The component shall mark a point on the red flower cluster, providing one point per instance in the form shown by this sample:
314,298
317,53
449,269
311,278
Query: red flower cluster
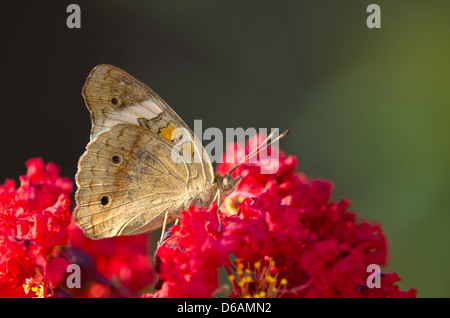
38,242
280,237
33,221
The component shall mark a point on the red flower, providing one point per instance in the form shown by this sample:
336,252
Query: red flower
286,237
33,219
191,261
35,226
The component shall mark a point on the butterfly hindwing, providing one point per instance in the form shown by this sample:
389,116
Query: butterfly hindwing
124,185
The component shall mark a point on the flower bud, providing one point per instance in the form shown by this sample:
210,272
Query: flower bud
86,271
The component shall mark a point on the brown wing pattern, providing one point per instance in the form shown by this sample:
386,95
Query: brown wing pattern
127,180
124,187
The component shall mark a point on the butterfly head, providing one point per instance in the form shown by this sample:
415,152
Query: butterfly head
228,184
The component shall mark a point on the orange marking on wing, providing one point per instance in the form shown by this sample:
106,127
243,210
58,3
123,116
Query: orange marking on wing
166,133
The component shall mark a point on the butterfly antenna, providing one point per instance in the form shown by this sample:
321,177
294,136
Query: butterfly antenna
267,142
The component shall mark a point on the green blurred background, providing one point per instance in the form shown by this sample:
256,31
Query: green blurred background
367,108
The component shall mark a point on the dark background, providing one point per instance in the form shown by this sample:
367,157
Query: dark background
368,109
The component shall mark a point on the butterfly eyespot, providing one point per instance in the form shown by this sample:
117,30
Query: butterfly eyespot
105,200
116,159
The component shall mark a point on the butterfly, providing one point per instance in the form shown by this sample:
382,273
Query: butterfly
128,182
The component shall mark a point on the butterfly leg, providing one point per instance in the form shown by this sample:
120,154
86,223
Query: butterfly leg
156,259
218,206
163,230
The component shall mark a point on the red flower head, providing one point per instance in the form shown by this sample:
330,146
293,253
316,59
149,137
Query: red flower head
285,237
33,219
35,227
191,259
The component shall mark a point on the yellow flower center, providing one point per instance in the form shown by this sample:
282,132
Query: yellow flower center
257,280
36,285
231,204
